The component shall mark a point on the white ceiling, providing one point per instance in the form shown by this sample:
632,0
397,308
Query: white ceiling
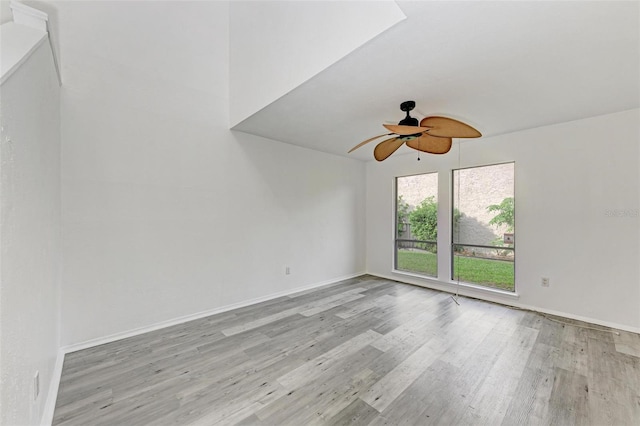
499,66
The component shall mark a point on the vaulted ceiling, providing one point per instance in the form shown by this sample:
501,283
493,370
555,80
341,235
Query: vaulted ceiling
499,66
327,75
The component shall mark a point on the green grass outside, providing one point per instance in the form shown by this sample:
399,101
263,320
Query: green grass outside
418,261
490,273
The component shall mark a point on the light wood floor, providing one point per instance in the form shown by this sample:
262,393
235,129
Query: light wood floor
366,351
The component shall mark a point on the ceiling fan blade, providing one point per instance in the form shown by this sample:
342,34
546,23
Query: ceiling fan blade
405,130
430,144
444,127
385,148
367,141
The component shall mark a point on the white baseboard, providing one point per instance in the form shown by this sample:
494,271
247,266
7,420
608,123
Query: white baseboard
589,320
503,299
168,323
52,395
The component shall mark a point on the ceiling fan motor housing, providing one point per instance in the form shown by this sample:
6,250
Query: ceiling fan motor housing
407,106
409,121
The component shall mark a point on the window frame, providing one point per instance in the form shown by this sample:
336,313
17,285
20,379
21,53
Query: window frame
396,239
453,243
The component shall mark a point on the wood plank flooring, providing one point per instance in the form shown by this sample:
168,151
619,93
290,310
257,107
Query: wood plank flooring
364,351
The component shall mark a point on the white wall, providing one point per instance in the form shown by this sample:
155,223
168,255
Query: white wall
30,235
568,178
166,212
5,11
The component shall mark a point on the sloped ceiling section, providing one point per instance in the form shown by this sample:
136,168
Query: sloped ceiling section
277,45
499,66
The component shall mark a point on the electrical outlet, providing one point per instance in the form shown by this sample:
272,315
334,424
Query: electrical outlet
545,282
287,270
36,385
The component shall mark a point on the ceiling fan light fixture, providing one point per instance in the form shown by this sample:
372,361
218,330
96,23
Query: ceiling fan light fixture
410,137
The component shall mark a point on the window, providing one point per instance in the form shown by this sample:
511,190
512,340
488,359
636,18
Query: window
483,249
417,224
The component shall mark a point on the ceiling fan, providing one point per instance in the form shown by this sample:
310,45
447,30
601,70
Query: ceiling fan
432,134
